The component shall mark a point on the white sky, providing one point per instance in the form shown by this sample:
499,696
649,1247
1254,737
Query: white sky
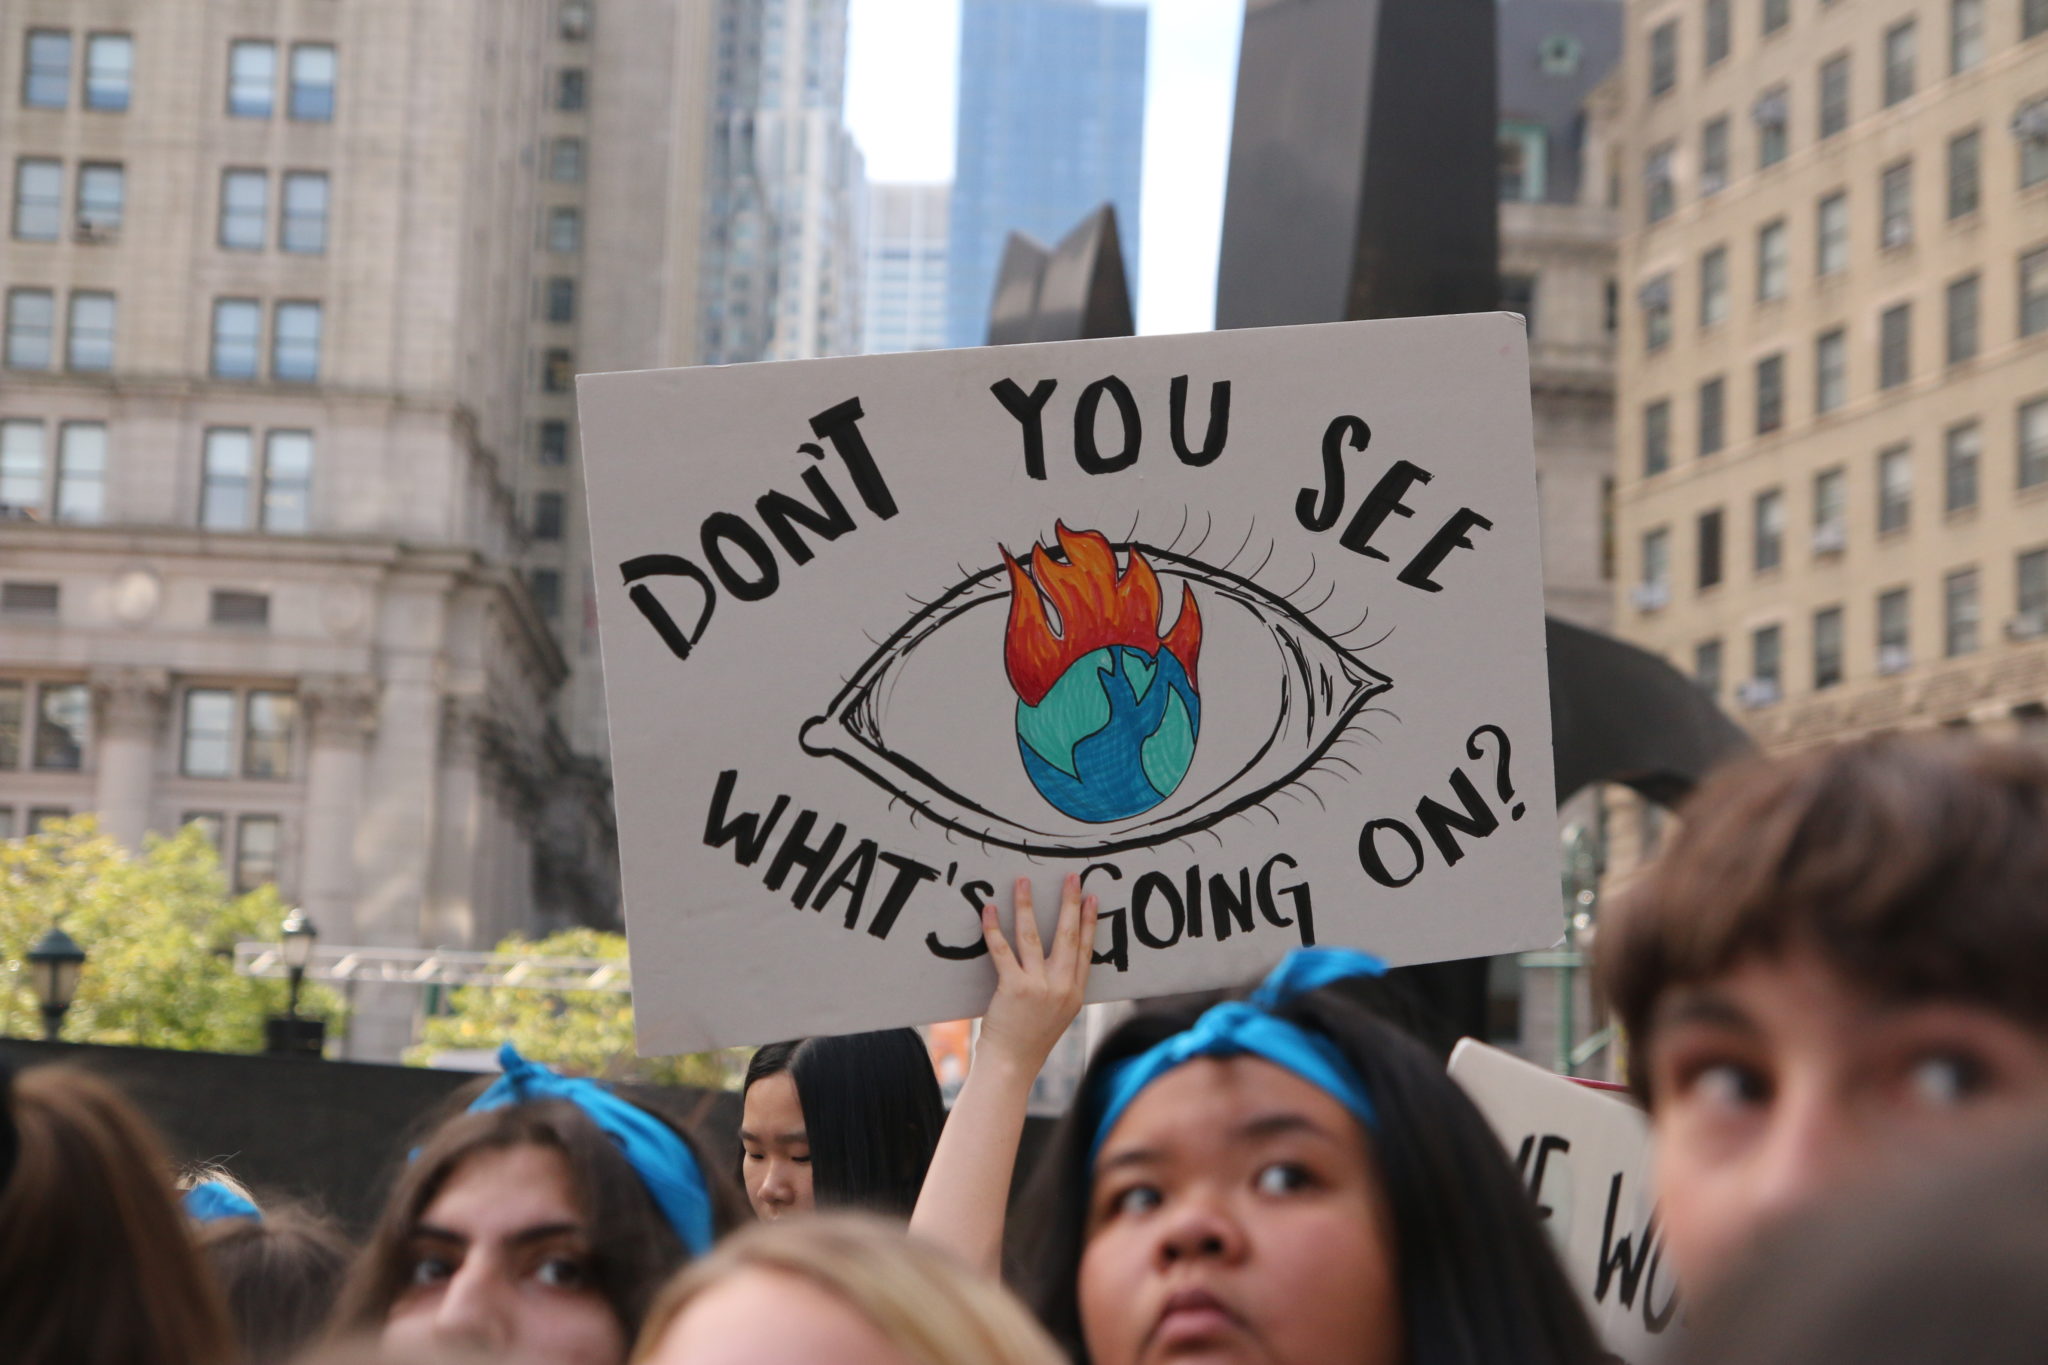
900,97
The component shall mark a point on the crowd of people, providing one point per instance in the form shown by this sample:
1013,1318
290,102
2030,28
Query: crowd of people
1834,989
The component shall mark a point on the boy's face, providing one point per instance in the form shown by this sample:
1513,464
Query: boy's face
1783,1081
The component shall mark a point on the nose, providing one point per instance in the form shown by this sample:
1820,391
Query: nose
1814,1145
473,1311
1199,1226
773,1190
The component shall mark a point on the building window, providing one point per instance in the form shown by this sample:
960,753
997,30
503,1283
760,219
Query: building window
565,160
1773,260
2033,443
1523,151
547,516
1772,114
207,740
1714,39
1894,643
1831,234
1964,159
226,501
82,472
257,842
1706,666
2033,18
1713,155
244,209
1962,447
1710,549
1559,55
31,328
1663,58
553,436
1712,415
573,21
1894,345
18,598
546,585
1777,14
21,469
109,71
1766,664
288,482
89,340
561,299
1830,371
1962,319
1894,489
1656,301
1714,286
1895,206
46,75
1834,95
1960,612
1768,540
295,342
2031,593
2034,292
38,199
1656,437
1770,393
565,229
252,79
312,93
1827,648
102,195
1965,35
62,712
1655,589
557,370
303,226
244,610
1660,194
237,338
1899,45
1830,511
572,88
268,720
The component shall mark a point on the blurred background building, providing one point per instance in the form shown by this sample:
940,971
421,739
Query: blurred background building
905,301
1051,123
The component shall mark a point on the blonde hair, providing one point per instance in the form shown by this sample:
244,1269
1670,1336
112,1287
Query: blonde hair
928,1305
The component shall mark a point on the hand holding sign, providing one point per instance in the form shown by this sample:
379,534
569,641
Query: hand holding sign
1038,994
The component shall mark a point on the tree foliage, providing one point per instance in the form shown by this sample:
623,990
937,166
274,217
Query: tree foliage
588,1032
159,931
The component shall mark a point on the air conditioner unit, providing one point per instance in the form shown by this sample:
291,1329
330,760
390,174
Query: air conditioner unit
90,231
2028,625
1650,596
1830,538
1894,659
1756,692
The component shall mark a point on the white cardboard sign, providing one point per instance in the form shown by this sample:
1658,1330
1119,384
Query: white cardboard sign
1585,1157
1246,627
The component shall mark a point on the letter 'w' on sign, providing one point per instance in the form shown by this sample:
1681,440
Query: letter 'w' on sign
1245,627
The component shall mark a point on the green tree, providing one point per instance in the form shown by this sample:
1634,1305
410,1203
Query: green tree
588,1032
159,930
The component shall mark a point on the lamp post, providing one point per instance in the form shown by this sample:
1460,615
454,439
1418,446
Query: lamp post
55,964
292,1036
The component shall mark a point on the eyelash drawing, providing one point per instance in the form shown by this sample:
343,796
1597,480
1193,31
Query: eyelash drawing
1116,731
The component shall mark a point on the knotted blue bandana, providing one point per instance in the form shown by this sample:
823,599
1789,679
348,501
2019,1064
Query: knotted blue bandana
1239,1028
210,1201
662,1160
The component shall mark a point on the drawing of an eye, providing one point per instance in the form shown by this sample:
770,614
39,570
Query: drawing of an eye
1051,707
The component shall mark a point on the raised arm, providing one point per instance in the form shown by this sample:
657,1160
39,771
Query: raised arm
966,1192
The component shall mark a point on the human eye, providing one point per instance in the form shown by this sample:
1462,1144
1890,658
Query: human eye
1283,1177
429,1269
1724,1085
563,1271
1947,1079
1102,643
1129,1200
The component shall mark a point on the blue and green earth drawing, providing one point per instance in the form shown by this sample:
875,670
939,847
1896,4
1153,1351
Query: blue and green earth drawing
1114,736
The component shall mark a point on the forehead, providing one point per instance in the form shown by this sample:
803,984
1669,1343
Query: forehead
1209,1102
772,1106
757,1316
499,1191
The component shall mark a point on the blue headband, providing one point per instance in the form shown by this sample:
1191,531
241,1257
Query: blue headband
662,1160
210,1201
1239,1028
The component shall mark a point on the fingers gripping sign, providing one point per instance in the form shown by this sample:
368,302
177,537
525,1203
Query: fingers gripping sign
1038,992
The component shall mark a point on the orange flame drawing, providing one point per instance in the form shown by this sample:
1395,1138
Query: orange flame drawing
1098,606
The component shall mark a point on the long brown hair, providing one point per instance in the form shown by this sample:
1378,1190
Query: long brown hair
97,1265
632,1246
280,1276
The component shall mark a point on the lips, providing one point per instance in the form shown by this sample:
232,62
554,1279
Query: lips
1191,1316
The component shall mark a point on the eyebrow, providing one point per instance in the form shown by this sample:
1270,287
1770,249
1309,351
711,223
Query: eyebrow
793,1135
539,1232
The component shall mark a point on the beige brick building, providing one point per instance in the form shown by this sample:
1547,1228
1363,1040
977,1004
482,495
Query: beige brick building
1833,405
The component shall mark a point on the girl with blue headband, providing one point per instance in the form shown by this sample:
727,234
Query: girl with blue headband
536,1224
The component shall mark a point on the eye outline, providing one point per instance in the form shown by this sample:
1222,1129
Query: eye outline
854,703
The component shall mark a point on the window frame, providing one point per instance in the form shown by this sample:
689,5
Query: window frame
1895,346
1894,488
74,326
1767,531
30,74
94,42
70,482
1962,466
298,347
28,211
1962,318
289,216
312,101
1829,641
241,86
21,333
239,306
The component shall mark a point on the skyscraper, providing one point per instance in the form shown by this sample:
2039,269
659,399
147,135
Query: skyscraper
905,303
1051,124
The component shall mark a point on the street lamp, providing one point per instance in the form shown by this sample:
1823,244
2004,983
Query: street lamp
292,1036
55,964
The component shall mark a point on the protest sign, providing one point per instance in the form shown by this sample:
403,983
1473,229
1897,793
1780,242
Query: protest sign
1585,1156
1245,627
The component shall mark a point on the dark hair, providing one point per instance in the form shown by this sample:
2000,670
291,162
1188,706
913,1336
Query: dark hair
280,1275
1478,1281
872,1113
633,1249
95,1262
1913,866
